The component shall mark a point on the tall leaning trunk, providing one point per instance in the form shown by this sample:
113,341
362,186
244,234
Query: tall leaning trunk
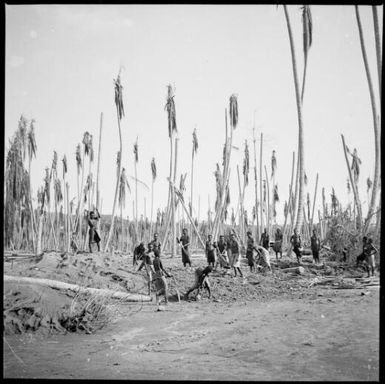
357,202
152,206
299,220
168,211
116,187
67,187
257,234
290,199
268,202
260,183
373,199
173,203
378,46
98,166
192,188
314,198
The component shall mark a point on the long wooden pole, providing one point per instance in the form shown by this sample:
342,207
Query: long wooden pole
98,167
314,199
260,183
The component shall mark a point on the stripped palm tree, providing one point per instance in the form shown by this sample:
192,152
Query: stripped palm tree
353,183
307,32
172,130
233,113
79,166
136,159
123,183
375,116
378,46
120,114
153,173
31,153
194,151
98,167
256,185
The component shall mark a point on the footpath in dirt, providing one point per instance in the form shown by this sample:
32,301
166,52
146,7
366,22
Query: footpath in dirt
319,325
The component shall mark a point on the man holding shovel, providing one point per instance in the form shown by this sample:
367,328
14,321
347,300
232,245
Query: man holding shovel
184,241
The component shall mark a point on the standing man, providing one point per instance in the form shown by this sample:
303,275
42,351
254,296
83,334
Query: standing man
369,251
315,246
156,245
265,240
93,236
184,241
148,265
250,251
161,286
221,248
278,243
295,241
235,258
138,253
210,251
361,257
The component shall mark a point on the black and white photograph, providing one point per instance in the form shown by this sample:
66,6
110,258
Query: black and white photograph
192,192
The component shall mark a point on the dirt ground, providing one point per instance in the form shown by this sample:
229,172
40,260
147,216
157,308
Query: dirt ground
269,326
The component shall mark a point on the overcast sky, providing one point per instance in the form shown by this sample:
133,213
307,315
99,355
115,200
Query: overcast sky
61,61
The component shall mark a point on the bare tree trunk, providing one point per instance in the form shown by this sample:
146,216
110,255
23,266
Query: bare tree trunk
268,203
116,187
289,205
354,186
314,199
98,166
152,206
173,242
373,200
257,234
260,182
300,126
68,219
378,47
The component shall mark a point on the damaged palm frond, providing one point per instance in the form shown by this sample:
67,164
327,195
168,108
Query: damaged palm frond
122,188
246,164
308,205
356,162
307,25
170,108
47,185
273,164
275,193
54,165
348,185
87,142
305,178
65,168
119,97
285,209
182,180
78,158
31,140
136,148
58,191
233,109
195,141
369,184
218,184
153,168
334,201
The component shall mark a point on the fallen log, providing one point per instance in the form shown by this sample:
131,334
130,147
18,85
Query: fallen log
298,270
76,288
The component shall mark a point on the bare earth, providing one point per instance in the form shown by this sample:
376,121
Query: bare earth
318,334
